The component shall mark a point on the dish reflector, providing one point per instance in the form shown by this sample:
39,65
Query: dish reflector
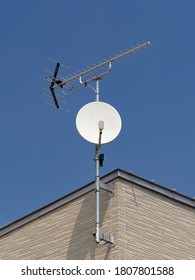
96,116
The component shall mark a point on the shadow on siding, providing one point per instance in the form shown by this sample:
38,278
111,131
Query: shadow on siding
82,243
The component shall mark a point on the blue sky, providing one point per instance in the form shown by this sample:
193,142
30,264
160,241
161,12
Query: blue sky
42,156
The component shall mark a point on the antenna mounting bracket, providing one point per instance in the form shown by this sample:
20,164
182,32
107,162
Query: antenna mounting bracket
108,188
108,238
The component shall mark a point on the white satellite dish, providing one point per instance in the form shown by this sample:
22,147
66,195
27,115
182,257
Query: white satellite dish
96,116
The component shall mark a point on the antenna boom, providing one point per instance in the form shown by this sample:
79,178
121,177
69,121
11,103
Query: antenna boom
77,76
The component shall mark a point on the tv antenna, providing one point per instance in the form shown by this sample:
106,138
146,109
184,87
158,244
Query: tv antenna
73,83
97,122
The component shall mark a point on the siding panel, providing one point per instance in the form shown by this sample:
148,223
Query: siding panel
147,225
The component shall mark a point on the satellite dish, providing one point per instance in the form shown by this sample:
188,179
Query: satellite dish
96,116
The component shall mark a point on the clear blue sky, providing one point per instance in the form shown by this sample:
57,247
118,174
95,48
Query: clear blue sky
42,157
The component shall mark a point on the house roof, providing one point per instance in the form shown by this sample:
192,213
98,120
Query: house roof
106,179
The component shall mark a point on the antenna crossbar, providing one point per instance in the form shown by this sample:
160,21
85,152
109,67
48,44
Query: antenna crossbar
77,76
52,84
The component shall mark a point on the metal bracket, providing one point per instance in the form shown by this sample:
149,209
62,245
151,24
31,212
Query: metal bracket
108,238
107,187
97,77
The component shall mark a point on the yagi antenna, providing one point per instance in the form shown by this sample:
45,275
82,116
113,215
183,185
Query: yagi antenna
97,122
85,76
100,65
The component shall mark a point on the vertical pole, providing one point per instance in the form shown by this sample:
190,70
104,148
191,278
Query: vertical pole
97,183
97,89
97,177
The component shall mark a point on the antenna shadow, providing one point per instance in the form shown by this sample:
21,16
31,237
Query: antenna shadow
82,243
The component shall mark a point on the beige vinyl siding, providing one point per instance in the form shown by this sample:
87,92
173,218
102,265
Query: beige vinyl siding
147,225
152,226
64,233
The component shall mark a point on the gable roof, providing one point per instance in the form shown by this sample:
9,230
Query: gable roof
118,173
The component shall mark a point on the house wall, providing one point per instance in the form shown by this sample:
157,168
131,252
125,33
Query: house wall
147,225
64,233
152,226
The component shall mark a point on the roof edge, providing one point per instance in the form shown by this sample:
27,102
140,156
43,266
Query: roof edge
171,193
117,173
